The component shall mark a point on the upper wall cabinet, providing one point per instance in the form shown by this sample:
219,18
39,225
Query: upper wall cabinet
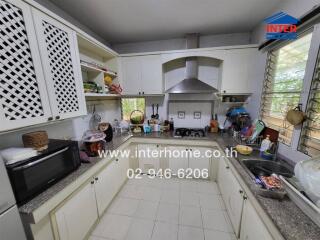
142,75
236,70
23,94
61,64
39,68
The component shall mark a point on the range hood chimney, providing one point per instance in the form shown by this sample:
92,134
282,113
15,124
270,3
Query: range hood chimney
191,83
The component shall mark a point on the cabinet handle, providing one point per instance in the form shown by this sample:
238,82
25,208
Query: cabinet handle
240,191
92,182
245,198
139,93
96,178
117,160
142,92
157,145
50,118
227,167
57,117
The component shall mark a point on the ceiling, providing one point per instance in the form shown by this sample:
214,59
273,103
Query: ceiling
122,21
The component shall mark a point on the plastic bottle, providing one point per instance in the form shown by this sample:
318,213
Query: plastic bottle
265,144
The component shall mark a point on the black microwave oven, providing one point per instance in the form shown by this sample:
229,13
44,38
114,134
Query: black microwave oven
34,175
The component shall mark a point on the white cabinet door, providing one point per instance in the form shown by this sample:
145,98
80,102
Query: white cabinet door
131,75
123,163
232,194
237,69
142,75
252,227
76,217
146,161
151,74
61,63
201,163
106,186
23,94
234,201
222,173
176,162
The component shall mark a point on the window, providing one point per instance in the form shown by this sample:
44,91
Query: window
130,104
283,84
310,135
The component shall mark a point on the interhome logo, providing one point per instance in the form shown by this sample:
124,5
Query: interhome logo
281,26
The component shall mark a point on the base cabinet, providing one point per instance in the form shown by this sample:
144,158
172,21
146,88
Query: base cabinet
201,163
252,227
147,162
176,162
232,194
76,217
106,186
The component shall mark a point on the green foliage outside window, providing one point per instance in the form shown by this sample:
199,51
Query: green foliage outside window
130,104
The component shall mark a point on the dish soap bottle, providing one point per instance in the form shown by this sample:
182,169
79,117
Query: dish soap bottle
265,144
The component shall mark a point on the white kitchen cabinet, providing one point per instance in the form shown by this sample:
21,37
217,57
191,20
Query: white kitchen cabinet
23,94
145,162
202,163
123,163
106,185
131,75
109,181
40,70
61,64
142,75
178,162
232,194
252,227
236,70
151,74
75,218
222,173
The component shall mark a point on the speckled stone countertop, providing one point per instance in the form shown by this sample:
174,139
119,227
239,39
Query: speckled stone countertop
292,223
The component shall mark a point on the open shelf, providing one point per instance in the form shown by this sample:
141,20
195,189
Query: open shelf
95,48
101,96
91,68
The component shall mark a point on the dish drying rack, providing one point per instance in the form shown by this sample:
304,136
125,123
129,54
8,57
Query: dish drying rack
243,140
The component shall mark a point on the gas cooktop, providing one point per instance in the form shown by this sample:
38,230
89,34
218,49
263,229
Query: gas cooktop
190,132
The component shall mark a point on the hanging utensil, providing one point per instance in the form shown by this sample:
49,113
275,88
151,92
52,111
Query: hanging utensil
153,116
95,119
157,114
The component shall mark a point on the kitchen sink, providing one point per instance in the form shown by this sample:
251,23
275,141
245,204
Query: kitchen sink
266,167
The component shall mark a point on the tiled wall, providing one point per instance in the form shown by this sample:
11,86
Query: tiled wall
189,108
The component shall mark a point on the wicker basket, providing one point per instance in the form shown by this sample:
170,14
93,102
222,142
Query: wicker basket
36,140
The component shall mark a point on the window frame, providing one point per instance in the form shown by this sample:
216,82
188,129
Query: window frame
292,143
145,104
292,152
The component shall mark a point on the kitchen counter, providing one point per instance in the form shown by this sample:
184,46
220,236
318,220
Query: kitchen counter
292,223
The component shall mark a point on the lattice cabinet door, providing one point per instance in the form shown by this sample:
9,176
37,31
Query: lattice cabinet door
23,94
60,58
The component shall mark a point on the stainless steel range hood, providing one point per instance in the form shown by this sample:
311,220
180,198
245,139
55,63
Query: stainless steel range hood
191,83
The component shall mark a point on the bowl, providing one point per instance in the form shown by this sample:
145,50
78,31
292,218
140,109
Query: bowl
244,150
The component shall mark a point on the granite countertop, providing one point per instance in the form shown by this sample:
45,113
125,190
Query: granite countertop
292,223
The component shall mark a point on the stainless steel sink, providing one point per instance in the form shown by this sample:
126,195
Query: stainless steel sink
259,167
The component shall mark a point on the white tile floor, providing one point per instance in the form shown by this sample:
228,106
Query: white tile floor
157,209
